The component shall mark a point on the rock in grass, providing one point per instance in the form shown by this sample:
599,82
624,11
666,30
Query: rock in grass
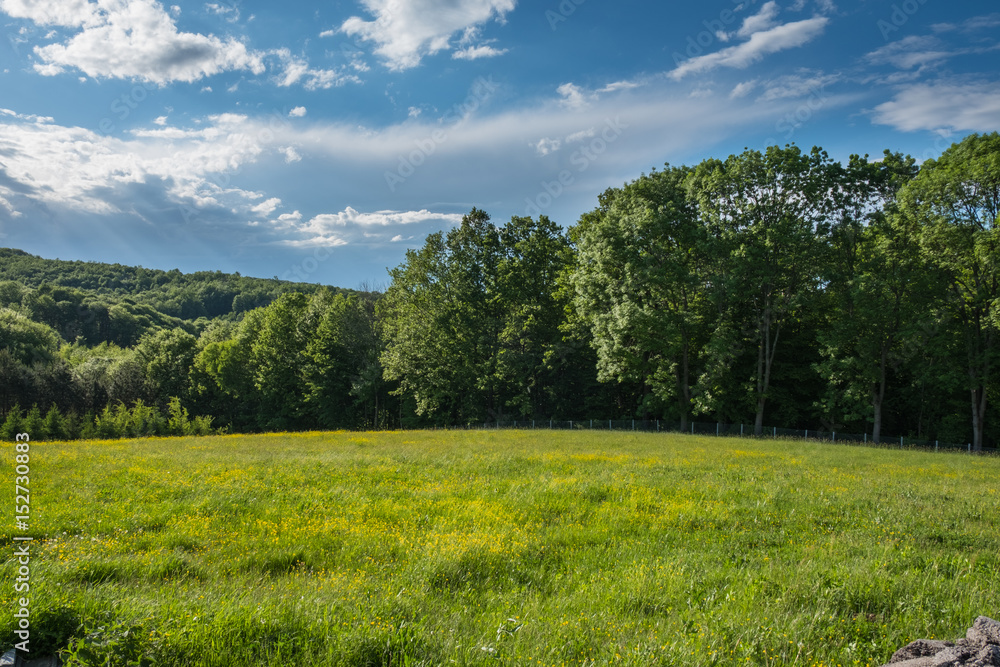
979,648
984,631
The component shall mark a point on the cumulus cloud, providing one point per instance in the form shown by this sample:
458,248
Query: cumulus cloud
759,45
134,39
942,106
403,33
137,39
266,207
81,170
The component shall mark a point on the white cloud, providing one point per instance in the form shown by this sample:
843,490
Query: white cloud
291,155
84,171
798,85
760,44
580,136
910,52
759,22
328,33
405,32
413,112
477,52
230,12
297,70
266,207
573,97
160,120
743,89
985,22
297,112
136,39
942,106
546,146
618,85
351,225
290,218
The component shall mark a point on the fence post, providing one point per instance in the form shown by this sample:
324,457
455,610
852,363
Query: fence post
775,435
609,424
807,434
935,445
571,424
900,442
550,424
835,436
866,437
717,427
633,424
692,428
591,424
741,430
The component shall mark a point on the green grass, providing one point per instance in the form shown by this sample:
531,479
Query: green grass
502,548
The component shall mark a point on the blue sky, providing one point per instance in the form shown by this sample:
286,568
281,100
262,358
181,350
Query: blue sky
319,141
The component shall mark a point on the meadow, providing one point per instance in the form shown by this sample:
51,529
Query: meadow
499,548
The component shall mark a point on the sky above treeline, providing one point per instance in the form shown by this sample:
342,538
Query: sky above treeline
318,141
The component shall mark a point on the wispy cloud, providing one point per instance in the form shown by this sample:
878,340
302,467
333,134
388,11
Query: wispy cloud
942,106
758,45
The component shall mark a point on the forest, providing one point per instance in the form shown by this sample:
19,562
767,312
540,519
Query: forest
775,287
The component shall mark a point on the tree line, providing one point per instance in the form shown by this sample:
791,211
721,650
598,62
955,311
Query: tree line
775,286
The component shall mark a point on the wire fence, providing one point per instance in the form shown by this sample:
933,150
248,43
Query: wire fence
730,430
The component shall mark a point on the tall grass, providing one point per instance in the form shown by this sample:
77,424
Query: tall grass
502,548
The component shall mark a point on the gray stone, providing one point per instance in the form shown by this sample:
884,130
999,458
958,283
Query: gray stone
984,631
8,658
979,648
914,662
922,648
989,656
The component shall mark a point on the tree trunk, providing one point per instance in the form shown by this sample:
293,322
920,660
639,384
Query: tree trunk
879,397
765,359
684,388
978,417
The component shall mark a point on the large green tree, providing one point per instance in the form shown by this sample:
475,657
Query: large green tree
766,213
955,201
639,283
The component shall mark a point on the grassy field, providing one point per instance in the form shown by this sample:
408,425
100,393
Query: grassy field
500,548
